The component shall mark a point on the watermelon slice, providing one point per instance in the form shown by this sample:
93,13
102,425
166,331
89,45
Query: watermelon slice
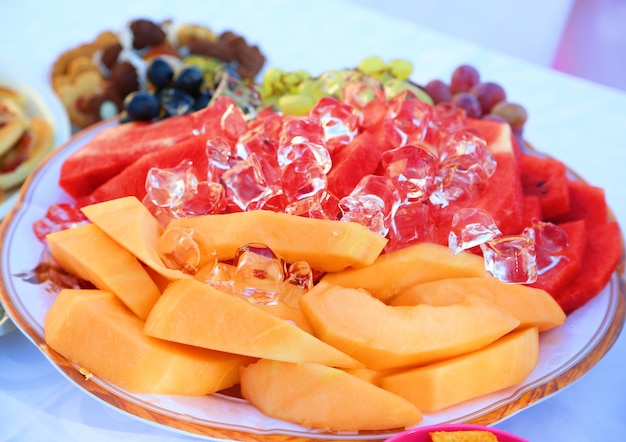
547,179
602,254
498,135
586,202
132,180
570,265
115,148
352,162
503,197
532,210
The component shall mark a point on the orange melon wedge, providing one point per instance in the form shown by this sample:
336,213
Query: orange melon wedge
94,330
503,364
324,398
394,272
194,313
89,253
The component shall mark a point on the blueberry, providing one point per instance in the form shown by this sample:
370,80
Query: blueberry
160,73
176,102
202,100
189,80
141,106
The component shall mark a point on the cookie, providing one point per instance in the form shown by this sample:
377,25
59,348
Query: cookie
13,123
19,161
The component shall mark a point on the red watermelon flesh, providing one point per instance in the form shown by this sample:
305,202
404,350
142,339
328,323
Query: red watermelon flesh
357,159
223,118
503,197
586,202
532,210
111,150
115,148
132,180
602,254
498,135
546,178
570,265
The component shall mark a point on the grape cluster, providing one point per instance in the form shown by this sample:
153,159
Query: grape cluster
172,89
480,99
296,92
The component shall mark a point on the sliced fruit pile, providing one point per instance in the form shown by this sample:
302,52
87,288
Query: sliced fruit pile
524,188
381,358
373,283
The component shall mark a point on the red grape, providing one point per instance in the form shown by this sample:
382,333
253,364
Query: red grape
463,79
438,90
488,94
469,102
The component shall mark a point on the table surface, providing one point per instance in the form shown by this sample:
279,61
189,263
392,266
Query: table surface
579,122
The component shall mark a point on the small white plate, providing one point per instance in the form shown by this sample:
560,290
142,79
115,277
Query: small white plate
40,102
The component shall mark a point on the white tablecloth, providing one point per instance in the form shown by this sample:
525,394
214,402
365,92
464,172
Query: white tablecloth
579,122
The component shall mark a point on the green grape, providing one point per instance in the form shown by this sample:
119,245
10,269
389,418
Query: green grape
394,86
400,68
372,65
272,78
304,75
330,83
422,95
291,80
264,90
307,87
295,104
271,100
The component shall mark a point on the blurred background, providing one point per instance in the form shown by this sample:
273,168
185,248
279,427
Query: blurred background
584,38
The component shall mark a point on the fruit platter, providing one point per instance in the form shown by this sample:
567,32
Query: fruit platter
340,256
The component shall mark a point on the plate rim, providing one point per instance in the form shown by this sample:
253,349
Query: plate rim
522,398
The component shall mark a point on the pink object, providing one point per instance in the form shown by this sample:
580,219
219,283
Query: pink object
422,434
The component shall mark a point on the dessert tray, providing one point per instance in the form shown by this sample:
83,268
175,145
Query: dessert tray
566,352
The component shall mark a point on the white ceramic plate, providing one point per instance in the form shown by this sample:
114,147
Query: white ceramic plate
41,102
566,353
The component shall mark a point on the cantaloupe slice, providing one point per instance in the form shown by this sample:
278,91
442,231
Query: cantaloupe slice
93,329
327,245
129,223
503,364
89,253
532,307
394,272
386,337
194,313
288,313
325,398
